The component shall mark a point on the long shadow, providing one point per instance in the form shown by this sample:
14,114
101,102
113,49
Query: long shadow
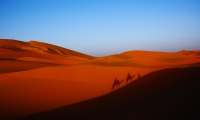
165,94
116,84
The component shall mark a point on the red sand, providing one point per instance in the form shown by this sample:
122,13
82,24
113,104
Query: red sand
34,78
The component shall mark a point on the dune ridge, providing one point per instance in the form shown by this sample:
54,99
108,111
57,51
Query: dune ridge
147,59
36,48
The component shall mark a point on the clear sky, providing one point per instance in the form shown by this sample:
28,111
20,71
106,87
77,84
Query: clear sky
104,27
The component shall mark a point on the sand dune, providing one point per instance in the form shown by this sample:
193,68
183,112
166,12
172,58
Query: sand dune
166,94
70,60
37,77
83,73
33,89
25,96
8,65
58,50
17,55
146,59
15,48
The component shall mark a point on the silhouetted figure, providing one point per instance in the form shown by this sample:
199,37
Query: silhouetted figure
129,77
116,83
138,75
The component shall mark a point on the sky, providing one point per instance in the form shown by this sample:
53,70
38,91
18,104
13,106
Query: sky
104,27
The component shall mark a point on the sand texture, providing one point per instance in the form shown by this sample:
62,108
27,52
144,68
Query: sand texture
45,81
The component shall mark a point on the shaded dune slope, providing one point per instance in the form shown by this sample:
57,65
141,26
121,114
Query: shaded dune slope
165,94
9,65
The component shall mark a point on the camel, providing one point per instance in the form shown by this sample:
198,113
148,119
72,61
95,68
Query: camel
138,75
116,83
129,77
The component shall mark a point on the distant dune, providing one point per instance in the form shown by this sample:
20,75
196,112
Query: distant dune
148,59
15,49
37,77
21,54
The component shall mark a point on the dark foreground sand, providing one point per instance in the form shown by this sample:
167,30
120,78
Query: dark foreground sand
165,94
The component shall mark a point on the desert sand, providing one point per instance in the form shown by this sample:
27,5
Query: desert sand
167,94
36,77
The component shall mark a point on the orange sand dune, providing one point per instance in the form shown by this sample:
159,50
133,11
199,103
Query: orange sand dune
146,59
36,77
47,88
70,60
169,94
12,65
15,48
25,96
17,55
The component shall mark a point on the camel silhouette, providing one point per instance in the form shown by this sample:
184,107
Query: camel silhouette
129,77
138,75
116,83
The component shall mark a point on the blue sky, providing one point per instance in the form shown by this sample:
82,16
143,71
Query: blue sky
104,27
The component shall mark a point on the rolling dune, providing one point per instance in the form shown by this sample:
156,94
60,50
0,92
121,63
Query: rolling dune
37,77
165,94
15,49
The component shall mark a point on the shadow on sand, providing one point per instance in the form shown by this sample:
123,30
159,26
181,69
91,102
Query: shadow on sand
129,78
116,84
165,94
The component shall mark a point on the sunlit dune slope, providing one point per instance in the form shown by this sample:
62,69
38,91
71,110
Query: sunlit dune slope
53,49
149,59
44,52
31,91
83,73
17,55
165,94
15,48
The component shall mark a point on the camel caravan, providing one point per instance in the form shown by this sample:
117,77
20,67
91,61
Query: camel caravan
116,83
